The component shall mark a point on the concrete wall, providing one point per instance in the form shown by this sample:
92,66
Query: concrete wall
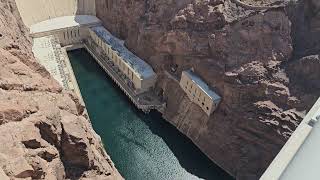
196,94
67,36
141,85
72,35
34,11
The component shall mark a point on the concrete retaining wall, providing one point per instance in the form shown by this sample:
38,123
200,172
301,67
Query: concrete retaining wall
35,11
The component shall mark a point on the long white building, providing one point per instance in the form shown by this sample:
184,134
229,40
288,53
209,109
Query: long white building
138,71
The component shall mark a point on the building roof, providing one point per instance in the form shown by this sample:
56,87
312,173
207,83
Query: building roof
202,85
143,69
298,158
64,22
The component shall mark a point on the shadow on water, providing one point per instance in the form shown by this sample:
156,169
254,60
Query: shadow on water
189,156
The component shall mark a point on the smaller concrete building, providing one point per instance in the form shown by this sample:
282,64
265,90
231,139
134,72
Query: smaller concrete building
135,69
199,92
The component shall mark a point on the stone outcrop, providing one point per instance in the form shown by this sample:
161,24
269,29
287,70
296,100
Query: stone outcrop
261,57
45,133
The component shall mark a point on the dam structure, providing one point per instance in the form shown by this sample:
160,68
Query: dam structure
148,143
298,158
58,26
63,25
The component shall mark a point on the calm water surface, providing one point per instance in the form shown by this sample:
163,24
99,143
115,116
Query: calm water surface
143,147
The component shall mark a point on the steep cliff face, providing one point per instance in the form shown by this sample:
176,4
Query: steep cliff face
246,51
44,131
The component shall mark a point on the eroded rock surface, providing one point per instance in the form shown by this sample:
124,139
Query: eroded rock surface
44,131
261,56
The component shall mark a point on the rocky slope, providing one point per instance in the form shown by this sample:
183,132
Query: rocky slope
261,56
45,133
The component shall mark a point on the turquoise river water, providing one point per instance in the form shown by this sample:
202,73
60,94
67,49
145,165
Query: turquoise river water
142,146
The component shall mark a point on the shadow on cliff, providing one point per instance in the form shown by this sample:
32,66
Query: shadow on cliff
192,159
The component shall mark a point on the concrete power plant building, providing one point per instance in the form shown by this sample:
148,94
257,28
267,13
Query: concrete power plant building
140,74
199,92
58,26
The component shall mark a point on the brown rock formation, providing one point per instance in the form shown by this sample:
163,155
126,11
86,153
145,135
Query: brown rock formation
44,131
250,52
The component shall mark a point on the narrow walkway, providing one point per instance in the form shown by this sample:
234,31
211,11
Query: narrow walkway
170,76
54,58
49,53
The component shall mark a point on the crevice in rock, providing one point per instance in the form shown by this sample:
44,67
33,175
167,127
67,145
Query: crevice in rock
80,107
48,135
32,144
47,155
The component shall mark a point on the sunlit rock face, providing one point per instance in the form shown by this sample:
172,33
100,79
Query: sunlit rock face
247,52
45,133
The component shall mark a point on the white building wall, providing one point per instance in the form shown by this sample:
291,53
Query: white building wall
196,94
34,11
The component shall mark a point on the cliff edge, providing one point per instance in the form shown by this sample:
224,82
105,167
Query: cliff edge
45,133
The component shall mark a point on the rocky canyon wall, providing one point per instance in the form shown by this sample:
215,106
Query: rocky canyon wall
248,51
45,133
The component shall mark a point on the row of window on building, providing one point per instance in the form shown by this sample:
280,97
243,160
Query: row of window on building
199,92
196,94
73,33
140,84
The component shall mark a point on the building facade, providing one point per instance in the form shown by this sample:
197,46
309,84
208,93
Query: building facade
199,92
68,29
140,74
